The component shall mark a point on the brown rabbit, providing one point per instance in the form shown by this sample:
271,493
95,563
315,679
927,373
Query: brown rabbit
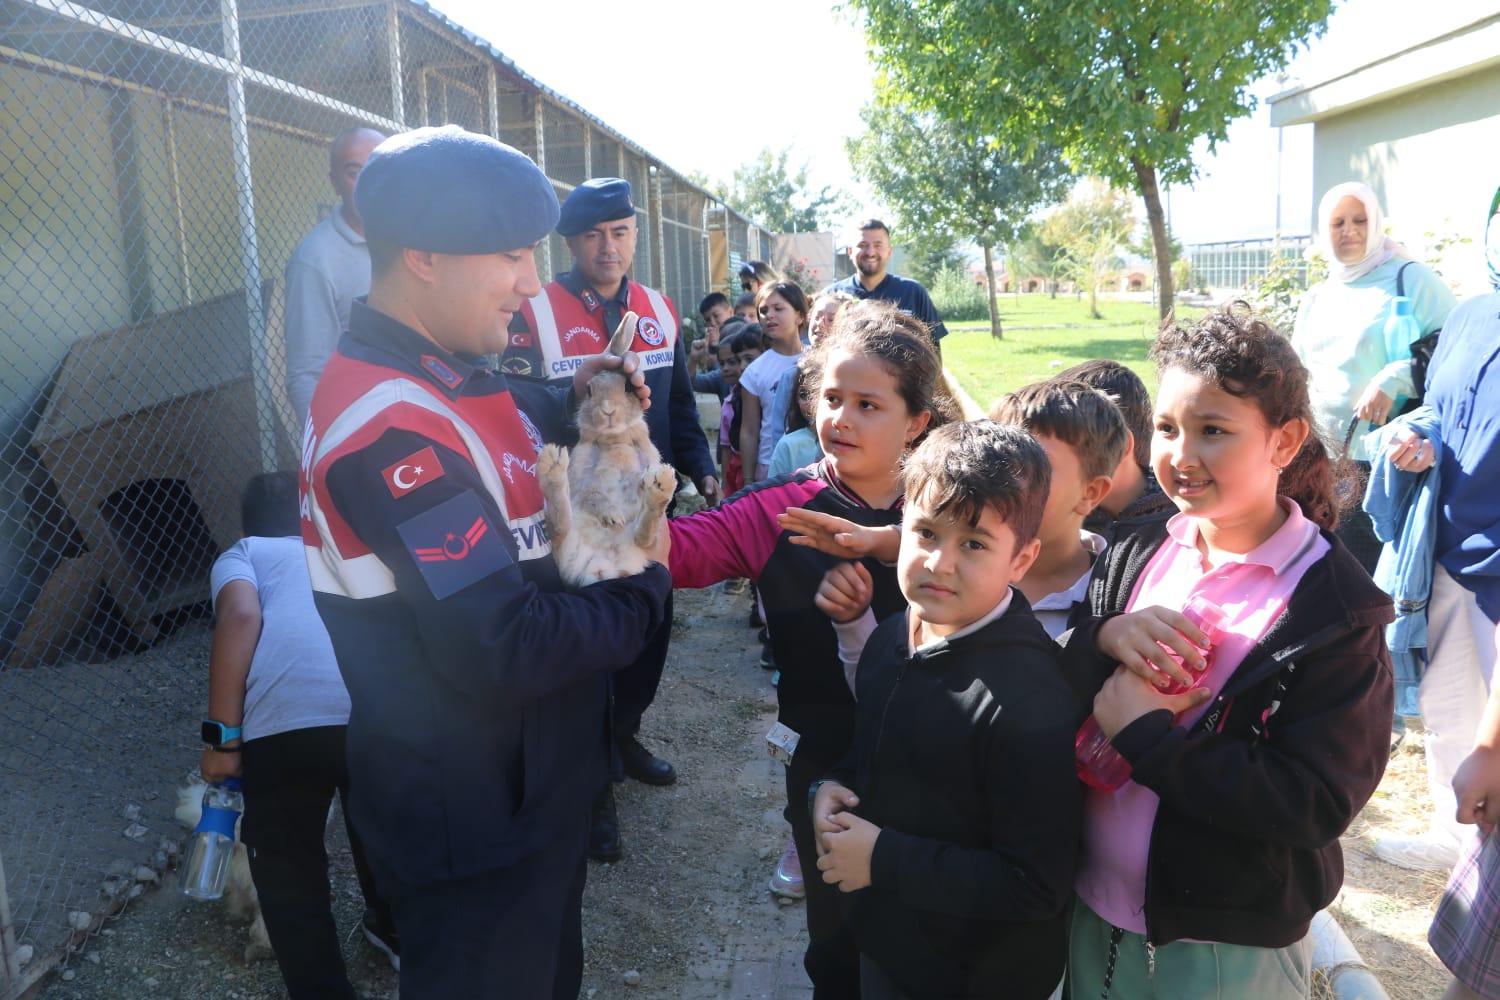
605,500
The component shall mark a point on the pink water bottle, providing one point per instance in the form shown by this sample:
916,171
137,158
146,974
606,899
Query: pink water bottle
1097,761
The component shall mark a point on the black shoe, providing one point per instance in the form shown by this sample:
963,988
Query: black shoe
763,636
604,827
756,621
382,934
642,765
767,661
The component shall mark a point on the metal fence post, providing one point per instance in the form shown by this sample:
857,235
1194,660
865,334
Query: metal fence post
544,248
393,44
10,965
659,258
255,313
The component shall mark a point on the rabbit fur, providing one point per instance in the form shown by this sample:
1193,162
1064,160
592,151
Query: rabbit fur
606,498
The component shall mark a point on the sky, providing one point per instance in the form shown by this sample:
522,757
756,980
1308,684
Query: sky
702,86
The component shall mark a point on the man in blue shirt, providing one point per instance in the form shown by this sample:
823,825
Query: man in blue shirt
871,280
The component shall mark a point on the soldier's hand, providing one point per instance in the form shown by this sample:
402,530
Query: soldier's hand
630,364
661,551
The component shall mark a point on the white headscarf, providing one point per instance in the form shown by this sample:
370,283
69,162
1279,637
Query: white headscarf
1379,247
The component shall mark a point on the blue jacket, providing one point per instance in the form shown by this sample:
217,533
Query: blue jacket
1404,508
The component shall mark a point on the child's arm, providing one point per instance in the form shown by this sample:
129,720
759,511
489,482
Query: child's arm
732,539
236,633
841,537
750,434
1036,819
1476,785
1302,784
844,595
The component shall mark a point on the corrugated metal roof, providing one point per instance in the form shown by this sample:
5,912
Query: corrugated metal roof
510,66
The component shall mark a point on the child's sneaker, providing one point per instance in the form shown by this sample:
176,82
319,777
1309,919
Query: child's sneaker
786,881
383,936
737,586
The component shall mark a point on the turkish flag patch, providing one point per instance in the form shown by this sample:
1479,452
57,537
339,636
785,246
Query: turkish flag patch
414,470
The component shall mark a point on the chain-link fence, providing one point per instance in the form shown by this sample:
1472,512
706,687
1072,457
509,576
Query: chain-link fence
159,161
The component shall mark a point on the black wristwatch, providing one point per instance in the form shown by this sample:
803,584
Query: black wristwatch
216,734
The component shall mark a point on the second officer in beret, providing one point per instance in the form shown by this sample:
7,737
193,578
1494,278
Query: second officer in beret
571,320
476,737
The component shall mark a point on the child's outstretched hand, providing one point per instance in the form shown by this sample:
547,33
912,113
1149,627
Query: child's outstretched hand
832,798
845,592
847,861
1126,696
1136,641
839,536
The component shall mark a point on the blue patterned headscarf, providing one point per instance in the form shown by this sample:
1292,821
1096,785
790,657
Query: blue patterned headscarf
1492,242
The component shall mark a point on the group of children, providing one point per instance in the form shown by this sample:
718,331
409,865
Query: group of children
947,602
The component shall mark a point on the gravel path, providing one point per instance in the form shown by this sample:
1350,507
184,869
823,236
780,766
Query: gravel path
685,912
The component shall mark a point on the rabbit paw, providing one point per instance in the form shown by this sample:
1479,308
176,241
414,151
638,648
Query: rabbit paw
552,464
661,483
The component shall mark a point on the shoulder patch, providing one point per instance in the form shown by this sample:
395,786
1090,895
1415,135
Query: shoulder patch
440,370
416,469
454,545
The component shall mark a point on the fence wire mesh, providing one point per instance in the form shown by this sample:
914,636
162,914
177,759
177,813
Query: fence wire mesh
159,162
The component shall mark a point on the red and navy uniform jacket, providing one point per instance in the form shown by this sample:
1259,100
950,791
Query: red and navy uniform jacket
741,538
478,684
568,321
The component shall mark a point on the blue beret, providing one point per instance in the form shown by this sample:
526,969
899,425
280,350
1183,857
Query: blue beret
602,199
447,190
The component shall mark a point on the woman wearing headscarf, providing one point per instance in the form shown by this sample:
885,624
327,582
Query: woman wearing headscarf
1450,446
1467,923
1340,330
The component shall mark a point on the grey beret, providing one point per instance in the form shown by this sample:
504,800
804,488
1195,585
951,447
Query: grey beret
602,199
447,190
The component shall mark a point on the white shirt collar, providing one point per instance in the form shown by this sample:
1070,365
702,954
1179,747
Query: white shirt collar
994,613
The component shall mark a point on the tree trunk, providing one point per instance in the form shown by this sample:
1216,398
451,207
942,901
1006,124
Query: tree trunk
1146,181
989,280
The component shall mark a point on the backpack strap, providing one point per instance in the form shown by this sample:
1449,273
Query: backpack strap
1400,275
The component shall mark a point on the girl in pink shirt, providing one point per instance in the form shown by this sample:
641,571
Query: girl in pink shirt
1200,875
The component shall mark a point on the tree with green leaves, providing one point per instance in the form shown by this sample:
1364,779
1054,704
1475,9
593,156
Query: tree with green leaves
943,178
1031,254
771,193
1125,88
1090,227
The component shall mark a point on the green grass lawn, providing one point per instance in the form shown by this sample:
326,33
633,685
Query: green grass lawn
1045,335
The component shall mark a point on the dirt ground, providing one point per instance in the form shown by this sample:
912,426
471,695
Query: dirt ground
687,907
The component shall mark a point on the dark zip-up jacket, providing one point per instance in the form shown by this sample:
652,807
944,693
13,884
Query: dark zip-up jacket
1255,796
740,537
1151,506
963,755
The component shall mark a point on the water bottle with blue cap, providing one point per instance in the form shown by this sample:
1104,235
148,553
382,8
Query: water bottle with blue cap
207,865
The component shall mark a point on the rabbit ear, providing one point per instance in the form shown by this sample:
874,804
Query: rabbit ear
624,335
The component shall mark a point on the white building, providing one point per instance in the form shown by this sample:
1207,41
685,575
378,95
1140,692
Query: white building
1418,119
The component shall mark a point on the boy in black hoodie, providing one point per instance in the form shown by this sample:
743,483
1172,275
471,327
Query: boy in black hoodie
954,822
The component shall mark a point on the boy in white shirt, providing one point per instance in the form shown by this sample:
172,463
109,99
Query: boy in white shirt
277,715
1084,436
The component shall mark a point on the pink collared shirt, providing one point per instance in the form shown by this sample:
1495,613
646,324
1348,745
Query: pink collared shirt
1253,589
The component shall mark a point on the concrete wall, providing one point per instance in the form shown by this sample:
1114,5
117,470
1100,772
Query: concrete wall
1430,156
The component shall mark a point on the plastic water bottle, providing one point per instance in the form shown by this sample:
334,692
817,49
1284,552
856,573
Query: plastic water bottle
1095,758
1400,331
207,864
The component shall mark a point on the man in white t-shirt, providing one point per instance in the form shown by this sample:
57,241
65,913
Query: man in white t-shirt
277,714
